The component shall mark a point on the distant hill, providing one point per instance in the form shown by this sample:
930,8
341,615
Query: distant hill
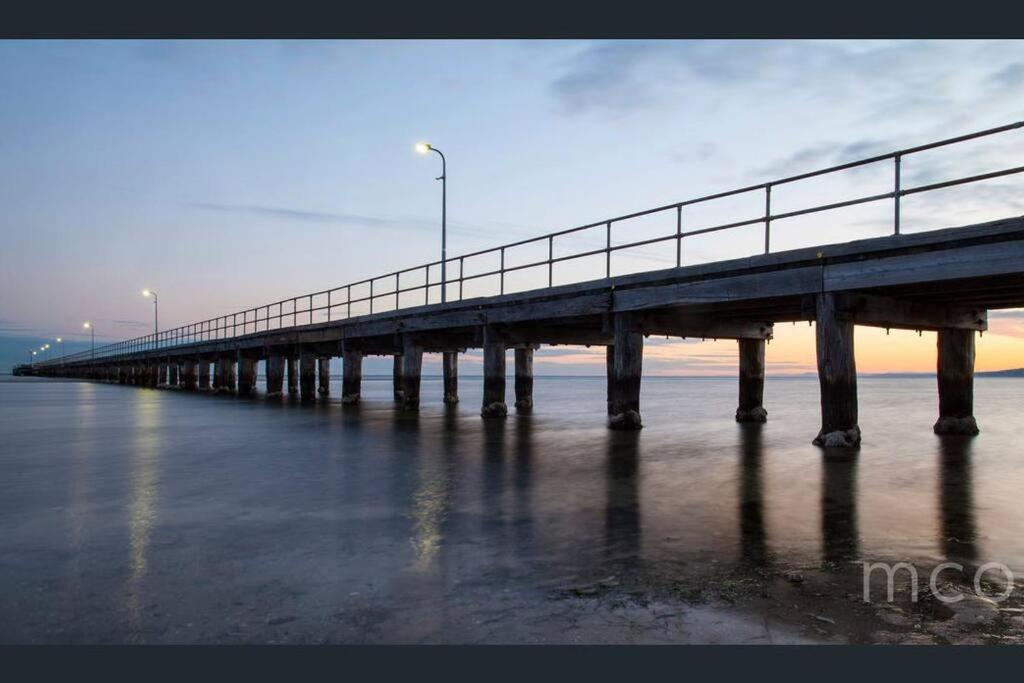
1018,372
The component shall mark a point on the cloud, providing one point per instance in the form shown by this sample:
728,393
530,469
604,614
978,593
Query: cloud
1010,313
295,214
905,79
1010,76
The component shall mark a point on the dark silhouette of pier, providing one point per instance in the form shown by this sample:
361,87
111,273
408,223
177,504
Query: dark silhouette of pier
945,280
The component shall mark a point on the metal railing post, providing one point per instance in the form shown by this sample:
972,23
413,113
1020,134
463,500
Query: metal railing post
608,249
462,267
398,281
679,235
551,256
767,217
371,297
896,195
501,270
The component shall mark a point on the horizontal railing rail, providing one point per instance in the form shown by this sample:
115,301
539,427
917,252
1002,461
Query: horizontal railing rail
337,303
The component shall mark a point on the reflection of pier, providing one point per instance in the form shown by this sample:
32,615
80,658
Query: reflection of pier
956,502
841,542
753,542
622,506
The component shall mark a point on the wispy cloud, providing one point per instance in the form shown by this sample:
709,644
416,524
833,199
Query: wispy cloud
295,214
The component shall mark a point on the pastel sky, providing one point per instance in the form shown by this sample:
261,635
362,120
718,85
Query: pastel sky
230,174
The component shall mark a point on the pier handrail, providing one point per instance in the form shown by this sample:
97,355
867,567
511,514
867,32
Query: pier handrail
287,314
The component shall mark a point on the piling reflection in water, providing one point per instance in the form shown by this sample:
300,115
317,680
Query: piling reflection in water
622,525
753,543
956,504
839,507
343,515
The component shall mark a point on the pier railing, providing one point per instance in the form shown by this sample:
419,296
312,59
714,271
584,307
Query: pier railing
338,303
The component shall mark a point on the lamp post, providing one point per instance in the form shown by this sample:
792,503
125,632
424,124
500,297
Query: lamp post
31,356
92,334
423,148
46,348
156,316
61,342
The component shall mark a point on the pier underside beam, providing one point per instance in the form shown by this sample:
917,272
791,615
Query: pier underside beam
351,375
450,370
907,314
955,367
837,376
624,385
494,376
751,394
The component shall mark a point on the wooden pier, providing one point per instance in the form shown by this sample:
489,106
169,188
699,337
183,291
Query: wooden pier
943,280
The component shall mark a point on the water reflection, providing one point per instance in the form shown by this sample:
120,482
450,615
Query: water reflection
956,504
622,507
142,510
522,478
492,486
839,508
753,540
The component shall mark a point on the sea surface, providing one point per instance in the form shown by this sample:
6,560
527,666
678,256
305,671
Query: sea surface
144,515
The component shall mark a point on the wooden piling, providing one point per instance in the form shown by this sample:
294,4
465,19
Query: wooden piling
494,376
161,375
412,363
293,376
172,374
218,374
275,376
524,378
396,377
204,374
625,381
188,375
246,376
609,365
307,377
324,376
450,369
751,394
351,375
955,373
837,376
227,384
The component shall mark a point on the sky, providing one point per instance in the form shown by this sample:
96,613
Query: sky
229,174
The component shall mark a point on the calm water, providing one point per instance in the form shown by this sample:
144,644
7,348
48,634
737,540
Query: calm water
143,515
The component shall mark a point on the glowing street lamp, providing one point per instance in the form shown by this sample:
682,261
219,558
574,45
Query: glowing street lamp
156,319
92,333
61,342
423,148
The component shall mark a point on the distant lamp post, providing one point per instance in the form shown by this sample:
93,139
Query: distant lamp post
92,334
156,315
46,348
31,356
423,148
61,342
